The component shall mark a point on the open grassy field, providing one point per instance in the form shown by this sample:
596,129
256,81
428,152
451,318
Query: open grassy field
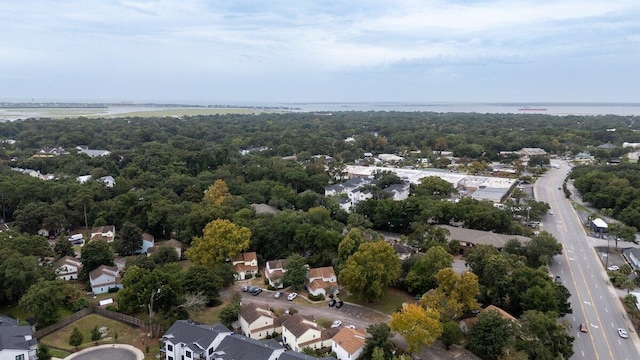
391,303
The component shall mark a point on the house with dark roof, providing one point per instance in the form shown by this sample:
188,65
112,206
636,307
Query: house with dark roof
348,343
104,278
240,347
17,342
186,339
292,355
321,280
256,320
245,264
274,272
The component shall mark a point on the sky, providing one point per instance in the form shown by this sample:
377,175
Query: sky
224,51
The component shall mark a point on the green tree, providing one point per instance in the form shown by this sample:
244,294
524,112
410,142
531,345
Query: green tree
421,277
76,338
489,336
370,270
43,352
94,254
165,254
379,335
200,280
542,337
221,240
433,186
43,300
454,295
542,248
63,248
451,334
95,335
229,314
296,273
130,239
419,326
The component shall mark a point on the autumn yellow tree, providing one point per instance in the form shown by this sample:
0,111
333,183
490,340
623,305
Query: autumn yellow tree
454,295
216,193
221,240
419,326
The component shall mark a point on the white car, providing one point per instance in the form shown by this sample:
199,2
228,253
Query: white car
277,295
623,333
351,327
613,268
292,296
336,324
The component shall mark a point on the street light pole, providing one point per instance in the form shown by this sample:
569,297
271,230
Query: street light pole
153,295
606,265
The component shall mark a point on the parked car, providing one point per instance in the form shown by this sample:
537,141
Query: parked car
256,291
251,289
613,268
558,280
339,304
623,333
583,328
336,324
245,288
351,327
277,295
292,296
332,302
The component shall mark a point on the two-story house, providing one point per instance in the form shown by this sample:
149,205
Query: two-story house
104,278
245,264
299,332
256,320
321,281
348,343
68,268
107,232
186,340
274,272
17,342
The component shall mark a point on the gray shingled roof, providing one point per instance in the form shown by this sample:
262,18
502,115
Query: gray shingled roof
13,337
292,355
240,347
188,332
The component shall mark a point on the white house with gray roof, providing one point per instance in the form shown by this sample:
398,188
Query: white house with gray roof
17,342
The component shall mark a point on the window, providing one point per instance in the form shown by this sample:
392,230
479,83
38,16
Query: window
187,353
169,347
169,357
211,351
20,357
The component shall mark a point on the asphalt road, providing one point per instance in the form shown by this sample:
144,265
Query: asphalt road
594,300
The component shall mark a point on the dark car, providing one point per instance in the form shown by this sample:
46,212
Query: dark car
339,304
332,302
256,291
558,280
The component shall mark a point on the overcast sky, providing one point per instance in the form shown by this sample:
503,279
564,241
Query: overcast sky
320,51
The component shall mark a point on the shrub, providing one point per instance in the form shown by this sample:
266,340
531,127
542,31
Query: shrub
248,276
114,289
258,275
316,297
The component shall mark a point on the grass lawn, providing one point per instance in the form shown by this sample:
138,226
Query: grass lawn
15,312
126,334
391,303
210,315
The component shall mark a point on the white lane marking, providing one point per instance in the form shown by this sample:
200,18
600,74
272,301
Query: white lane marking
586,302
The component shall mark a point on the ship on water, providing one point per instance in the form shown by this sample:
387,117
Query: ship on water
529,108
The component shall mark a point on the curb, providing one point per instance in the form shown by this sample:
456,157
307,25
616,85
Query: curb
135,350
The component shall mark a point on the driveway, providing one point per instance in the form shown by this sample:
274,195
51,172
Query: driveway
349,314
108,352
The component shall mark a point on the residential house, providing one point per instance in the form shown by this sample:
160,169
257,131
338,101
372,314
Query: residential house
187,340
404,250
43,232
292,355
469,238
274,272
107,233
256,320
299,332
261,209
104,278
17,342
245,265
148,241
467,323
92,153
321,281
398,192
68,268
175,244
348,343
390,158
108,181
49,152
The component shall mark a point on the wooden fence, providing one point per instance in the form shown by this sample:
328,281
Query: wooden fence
126,319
